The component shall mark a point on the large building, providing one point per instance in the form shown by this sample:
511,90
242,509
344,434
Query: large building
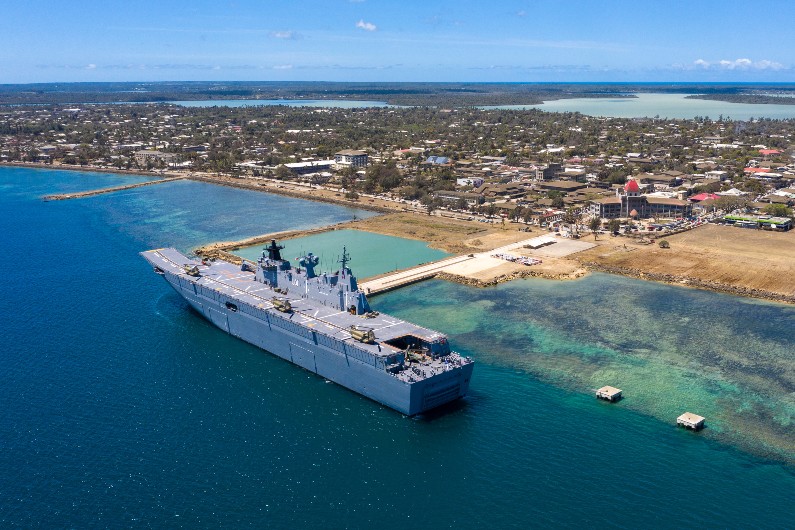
149,156
349,157
631,203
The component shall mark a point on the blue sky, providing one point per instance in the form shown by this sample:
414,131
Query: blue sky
408,40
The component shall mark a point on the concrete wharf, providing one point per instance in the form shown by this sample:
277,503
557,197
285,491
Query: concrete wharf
460,265
100,191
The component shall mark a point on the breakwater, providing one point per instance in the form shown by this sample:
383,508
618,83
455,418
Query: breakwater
100,191
221,249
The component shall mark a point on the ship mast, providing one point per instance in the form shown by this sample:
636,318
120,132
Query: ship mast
344,259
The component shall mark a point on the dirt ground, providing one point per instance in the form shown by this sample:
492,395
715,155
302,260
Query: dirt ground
754,259
450,235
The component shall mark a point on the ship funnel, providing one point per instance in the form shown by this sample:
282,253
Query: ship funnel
274,251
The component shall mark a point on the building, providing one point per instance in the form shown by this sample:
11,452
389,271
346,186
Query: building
764,222
643,206
475,182
548,172
314,166
147,156
564,186
349,157
454,197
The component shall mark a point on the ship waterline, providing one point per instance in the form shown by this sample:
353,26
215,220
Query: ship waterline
322,323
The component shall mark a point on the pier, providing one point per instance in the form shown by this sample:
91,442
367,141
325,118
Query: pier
100,191
465,265
413,275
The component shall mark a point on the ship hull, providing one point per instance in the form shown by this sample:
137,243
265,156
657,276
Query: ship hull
341,367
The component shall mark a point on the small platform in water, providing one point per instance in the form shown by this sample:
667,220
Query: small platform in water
691,421
609,393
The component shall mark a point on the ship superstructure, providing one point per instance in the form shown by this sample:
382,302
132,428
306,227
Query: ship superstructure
322,322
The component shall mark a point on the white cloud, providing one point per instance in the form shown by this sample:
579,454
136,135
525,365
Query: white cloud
287,35
283,67
367,26
738,64
91,66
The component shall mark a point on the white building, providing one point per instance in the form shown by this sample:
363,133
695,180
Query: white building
350,157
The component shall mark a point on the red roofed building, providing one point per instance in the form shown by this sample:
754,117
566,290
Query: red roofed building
632,186
767,152
631,203
757,170
703,197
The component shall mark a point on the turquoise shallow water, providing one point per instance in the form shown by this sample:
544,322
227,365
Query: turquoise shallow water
121,407
371,254
663,105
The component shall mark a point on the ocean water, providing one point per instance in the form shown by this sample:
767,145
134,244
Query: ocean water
371,254
673,106
121,407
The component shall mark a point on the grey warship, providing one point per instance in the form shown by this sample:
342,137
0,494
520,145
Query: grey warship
323,323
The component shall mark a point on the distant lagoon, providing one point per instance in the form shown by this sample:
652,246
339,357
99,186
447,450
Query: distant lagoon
671,106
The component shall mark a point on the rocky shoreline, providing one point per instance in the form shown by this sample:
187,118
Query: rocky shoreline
696,283
491,282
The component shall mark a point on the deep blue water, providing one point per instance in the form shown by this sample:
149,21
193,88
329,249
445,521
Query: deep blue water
122,407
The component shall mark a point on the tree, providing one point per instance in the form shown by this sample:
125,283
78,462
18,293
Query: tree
384,176
284,173
664,243
778,210
729,203
614,225
595,224
572,217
